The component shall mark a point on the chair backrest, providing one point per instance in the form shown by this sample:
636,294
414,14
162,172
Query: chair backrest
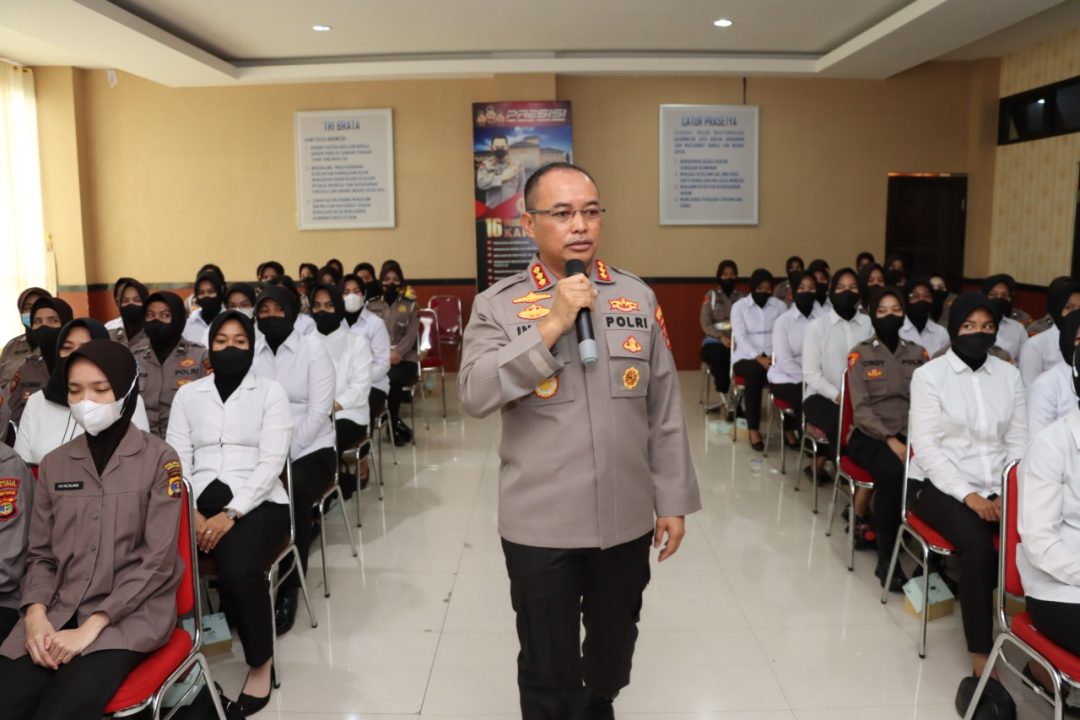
429,338
1009,511
448,310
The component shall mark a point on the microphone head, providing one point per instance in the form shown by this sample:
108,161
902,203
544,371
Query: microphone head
574,267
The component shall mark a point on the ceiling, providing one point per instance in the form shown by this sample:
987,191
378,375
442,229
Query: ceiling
228,42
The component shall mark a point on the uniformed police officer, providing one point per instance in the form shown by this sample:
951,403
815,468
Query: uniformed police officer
46,318
167,361
19,347
501,177
130,300
715,319
398,307
595,458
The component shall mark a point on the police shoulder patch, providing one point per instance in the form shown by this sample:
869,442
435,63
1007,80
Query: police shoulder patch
663,325
9,493
852,358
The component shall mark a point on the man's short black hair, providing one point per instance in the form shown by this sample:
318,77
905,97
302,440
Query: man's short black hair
498,137
536,177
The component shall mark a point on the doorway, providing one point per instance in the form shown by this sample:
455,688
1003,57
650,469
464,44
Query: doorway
925,223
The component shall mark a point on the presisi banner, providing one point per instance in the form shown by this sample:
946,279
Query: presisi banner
511,140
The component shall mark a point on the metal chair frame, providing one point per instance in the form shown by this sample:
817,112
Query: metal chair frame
334,490
843,477
454,340
784,412
357,456
736,393
441,368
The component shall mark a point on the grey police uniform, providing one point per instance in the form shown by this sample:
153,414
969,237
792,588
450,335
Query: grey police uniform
715,320
16,495
159,381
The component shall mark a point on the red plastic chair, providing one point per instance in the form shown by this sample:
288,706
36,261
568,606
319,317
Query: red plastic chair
1063,666
848,472
448,310
431,358
147,684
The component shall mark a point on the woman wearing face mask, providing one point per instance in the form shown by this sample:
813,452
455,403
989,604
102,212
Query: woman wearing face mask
241,297
752,320
1001,289
870,277
1040,352
398,310
919,328
306,372
47,422
895,271
864,258
784,289
18,348
370,327
209,296
304,324
1050,397
329,275
785,375
879,380
101,572
943,300
820,270
189,303
365,271
46,318
715,318
351,354
1046,322
232,430
968,420
168,361
130,298
828,341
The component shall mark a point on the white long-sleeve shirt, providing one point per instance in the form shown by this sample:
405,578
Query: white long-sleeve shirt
966,425
351,355
197,330
787,345
1049,398
752,326
46,426
1010,337
243,442
1049,512
933,337
1039,354
828,341
372,327
304,369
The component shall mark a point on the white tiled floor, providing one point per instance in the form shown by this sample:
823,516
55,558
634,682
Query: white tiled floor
756,618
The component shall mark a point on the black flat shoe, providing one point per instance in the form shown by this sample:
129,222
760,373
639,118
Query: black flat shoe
759,446
899,579
285,612
249,704
792,445
597,706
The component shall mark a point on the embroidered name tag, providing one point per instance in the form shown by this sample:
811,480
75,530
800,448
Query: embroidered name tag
68,486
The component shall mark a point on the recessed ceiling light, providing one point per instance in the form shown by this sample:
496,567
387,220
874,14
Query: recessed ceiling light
321,28
1041,101
723,23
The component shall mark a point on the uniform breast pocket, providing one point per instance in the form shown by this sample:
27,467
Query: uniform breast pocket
628,351
876,386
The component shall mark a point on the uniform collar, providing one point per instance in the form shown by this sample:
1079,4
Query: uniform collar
542,277
247,383
130,444
960,366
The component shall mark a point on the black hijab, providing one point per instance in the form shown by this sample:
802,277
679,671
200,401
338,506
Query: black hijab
842,305
328,322
330,270
1057,295
886,329
56,389
244,289
1067,337
164,337
919,312
727,286
1005,306
352,317
275,329
120,369
796,279
961,310
757,277
44,337
132,316
864,280
231,365
210,307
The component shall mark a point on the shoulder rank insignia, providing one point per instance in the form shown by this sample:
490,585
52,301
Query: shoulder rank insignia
547,389
632,345
9,493
663,326
623,304
630,378
532,297
602,273
533,312
852,358
539,277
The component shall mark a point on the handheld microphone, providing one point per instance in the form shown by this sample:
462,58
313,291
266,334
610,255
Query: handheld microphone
586,341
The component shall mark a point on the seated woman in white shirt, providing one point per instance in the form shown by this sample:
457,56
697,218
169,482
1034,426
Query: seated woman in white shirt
231,430
752,320
785,374
241,297
351,354
306,372
968,419
209,297
870,276
918,327
1050,397
371,327
47,422
1040,351
1011,333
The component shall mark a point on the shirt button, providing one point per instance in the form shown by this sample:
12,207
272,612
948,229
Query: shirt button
93,548
96,516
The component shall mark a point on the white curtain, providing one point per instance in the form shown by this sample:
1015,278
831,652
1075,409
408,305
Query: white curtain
22,226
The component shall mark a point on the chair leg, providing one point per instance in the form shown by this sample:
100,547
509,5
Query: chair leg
393,444
359,521
990,661
271,581
204,668
851,528
832,509
768,430
442,386
345,519
299,570
322,546
926,598
815,488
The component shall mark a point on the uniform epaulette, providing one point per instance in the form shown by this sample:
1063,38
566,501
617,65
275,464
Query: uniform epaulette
628,274
507,283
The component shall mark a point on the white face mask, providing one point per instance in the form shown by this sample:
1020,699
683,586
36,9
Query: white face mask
353,303
95,417
249,313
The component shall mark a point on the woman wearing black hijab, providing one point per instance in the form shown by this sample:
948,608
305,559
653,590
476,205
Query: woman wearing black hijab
47,316
752,320
967,422
870,276
169,361
240,297
1011,335
102,569
231,430
210,298
304,369
1039,352
398,310
895,271
130,299
715,319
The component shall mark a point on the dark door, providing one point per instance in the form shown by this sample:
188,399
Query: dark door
925,223
1076,230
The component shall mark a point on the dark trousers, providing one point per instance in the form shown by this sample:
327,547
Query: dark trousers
9,617
376,402
791,393
312,475
877,459
755,376
241,559
824,413
553,591
402,374
977,560
1059,621
718,357
349,435
79,690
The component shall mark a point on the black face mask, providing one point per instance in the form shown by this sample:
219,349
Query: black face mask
822,293
1005,307
275,328
162,335
728,286
887,329
211,306
308,283
231,361
845,304
390,293
973,347
326,322
919,312
132,315
45,338
940,296
895,278
760,298
805,302
500,154
373,290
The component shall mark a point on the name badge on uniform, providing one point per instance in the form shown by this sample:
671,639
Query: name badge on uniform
61,486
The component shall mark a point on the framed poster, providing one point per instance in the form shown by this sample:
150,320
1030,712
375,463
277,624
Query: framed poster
345,169
708,165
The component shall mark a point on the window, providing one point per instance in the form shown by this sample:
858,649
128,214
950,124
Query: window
1040,113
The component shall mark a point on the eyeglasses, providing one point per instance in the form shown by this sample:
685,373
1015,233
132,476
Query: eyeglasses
562,217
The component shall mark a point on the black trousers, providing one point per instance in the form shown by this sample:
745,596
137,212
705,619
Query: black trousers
718,357
977,561
888,470
312,475
241,558
791,393
79,690
400,375
553,591
1059,621
9,618
824,413
376,402
756,380
349,435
